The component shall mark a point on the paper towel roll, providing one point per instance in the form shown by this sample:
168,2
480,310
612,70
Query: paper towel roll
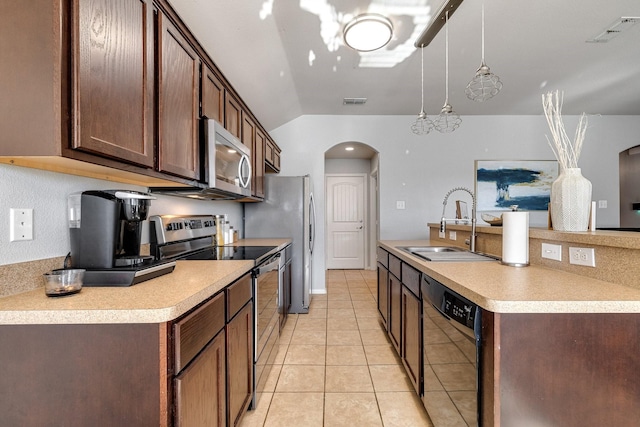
515,239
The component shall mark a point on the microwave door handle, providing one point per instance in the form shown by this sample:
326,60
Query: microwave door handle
244,182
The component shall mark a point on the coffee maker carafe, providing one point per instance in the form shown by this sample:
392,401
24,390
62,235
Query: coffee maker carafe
105,228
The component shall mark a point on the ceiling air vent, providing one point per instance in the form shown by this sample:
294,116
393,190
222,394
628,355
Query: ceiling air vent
353,101
617,27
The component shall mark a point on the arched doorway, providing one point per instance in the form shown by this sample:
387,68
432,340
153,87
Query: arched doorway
351,206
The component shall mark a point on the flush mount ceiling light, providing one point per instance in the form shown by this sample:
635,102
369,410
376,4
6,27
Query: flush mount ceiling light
368,32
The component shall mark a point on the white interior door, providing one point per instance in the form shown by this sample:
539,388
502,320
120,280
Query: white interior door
345,221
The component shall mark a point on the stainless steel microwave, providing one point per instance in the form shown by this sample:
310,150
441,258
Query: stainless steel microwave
227,167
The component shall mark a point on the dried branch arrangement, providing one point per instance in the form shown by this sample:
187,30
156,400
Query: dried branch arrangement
566,152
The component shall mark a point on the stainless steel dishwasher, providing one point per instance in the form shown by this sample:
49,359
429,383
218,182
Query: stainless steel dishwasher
451,340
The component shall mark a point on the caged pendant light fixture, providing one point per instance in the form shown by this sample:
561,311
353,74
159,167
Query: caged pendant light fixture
485,85
423,124
448,120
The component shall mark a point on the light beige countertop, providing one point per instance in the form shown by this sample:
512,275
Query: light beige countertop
154,301
533,289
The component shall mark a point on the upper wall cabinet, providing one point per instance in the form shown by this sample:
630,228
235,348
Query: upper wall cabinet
113,79
272,156
212,92
178,102
233,115
109,89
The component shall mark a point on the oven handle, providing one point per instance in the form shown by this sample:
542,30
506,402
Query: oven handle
273,264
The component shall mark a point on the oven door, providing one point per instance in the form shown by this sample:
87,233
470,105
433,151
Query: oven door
266,280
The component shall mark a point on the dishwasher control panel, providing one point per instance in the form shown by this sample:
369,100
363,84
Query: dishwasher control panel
459,309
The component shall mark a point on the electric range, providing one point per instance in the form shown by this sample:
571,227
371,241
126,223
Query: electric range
193,237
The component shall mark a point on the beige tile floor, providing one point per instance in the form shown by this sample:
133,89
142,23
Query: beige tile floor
336,366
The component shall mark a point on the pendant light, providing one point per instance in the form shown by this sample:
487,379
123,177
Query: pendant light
423,124
448,120
485,85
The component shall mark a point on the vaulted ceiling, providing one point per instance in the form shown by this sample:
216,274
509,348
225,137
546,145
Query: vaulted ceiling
286,58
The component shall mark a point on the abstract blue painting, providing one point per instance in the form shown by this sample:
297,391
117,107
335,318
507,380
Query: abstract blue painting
526,183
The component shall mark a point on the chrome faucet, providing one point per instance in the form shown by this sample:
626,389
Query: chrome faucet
443,220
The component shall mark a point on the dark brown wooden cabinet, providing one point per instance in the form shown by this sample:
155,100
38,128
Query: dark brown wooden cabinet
200,390
239,349
411,326
383,285
196,370
178,102
212,96
200,365
394,321
232,115
272,156
258,164
91,375
113,79
383,295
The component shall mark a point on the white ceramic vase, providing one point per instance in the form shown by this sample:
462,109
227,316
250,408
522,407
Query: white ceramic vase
570,201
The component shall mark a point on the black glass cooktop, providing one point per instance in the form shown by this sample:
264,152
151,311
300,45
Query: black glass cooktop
230,252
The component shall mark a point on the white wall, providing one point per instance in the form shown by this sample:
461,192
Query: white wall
421,169
418,170
46,192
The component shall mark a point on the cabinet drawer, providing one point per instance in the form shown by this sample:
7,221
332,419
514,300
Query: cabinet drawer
194,331
395,266
383,257
237,295
411,279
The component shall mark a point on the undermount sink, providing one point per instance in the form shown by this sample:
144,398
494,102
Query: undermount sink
445,253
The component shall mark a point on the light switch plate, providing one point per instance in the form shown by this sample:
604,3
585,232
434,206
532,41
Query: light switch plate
452,235
550,251
400,204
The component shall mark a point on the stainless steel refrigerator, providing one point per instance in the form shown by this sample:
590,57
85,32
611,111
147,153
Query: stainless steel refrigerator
288,211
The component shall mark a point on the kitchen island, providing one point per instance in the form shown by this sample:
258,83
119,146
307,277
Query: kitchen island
556,348
127,356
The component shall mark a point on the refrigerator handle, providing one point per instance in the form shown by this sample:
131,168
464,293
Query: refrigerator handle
312,223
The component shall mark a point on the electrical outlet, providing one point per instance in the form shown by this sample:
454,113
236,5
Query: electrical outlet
441,234
21,224
550,251
602,204
452,235
582,256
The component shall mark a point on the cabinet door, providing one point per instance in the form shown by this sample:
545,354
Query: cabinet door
232,115
179,78
212,91
258,164
240,363
411,336
383,294
113,79
201,388
395,306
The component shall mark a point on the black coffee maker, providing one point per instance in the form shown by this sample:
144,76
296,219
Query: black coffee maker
105,230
